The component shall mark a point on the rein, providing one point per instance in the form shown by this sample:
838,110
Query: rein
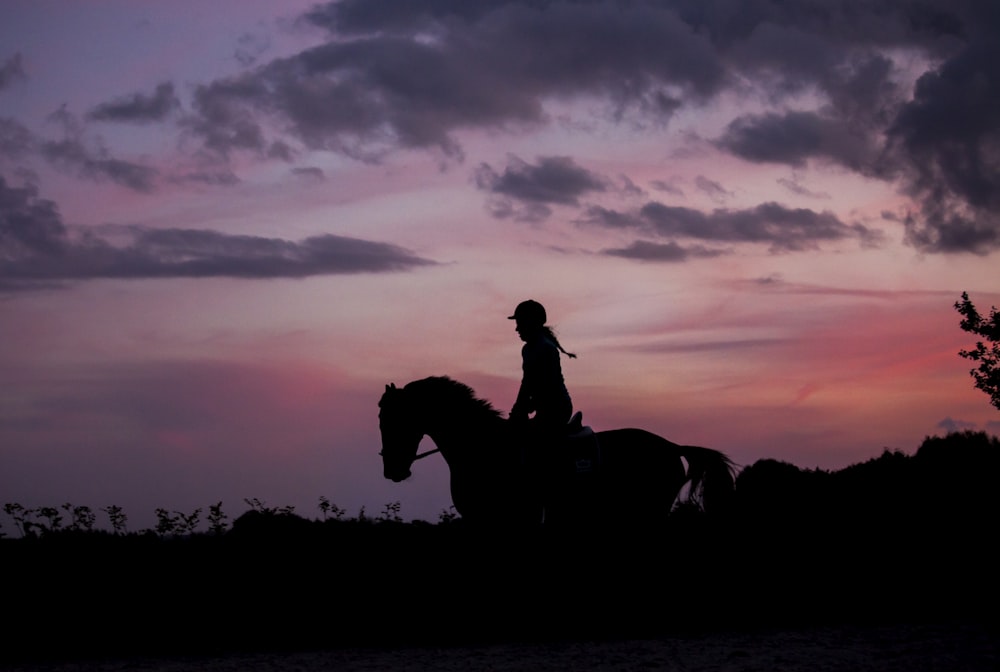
424,454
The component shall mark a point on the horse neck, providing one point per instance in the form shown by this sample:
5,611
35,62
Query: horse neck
462,437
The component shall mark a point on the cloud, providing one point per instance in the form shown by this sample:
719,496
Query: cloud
139,108
667,187
712,189
725,346
942,146
222,122
947,143
73,154
37,249
15,139
525,192
630,188
11,70
833,79
785,229
29,226
221,177
554,179
250,47
412,74
794,137
504,208
797,189
950,424
651,57
309,173
642,250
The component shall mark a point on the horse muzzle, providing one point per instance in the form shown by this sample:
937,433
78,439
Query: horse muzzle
397,476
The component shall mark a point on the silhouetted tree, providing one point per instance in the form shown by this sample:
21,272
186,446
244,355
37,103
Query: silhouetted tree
83,517
987,373
217,519
119,521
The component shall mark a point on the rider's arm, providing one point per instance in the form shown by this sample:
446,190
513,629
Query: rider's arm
524,404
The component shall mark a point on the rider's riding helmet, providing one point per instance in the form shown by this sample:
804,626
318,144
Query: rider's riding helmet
529,312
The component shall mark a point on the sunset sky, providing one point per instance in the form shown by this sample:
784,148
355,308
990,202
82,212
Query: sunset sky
225,226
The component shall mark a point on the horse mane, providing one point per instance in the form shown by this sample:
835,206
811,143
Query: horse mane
459,397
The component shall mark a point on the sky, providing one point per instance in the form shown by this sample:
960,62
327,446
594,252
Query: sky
226,226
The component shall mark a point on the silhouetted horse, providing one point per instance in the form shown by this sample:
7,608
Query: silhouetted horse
637,477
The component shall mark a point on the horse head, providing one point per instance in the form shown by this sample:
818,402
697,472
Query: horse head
400,433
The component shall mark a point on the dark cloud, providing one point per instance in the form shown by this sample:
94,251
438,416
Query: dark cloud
784,229
11,70
281,150
942,146
554,179
29,226
947,225
651,56
394,17
526,191
947,143
223,121
139,107
37,249
795,137
642,250
412,74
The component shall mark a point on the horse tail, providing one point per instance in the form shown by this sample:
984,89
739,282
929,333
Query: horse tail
711,478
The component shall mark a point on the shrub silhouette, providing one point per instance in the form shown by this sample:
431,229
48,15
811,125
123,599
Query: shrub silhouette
956,479
779,493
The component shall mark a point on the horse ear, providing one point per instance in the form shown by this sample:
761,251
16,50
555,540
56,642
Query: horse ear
390,386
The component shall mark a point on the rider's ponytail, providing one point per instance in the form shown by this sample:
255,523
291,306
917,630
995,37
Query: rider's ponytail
549,334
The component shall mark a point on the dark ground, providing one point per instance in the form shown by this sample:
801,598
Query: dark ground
891,564
293,586
898,648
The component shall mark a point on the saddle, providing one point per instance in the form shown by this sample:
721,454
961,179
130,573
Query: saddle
581,444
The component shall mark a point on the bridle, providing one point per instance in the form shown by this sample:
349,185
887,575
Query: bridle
418,456
424,454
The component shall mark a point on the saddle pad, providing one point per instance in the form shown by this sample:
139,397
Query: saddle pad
584,451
